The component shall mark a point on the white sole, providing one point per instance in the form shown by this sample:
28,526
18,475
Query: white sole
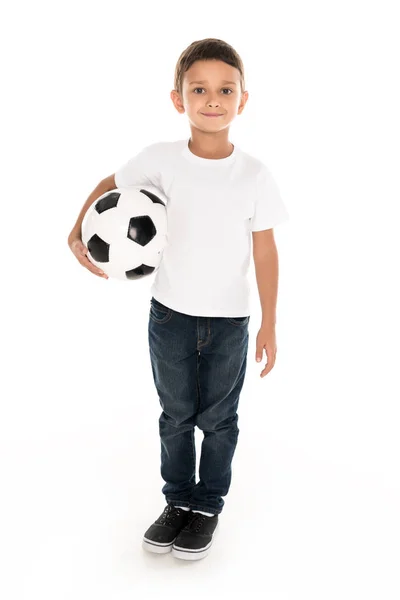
186,554
157,547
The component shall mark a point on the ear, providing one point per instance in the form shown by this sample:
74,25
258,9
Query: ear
243,100
177,101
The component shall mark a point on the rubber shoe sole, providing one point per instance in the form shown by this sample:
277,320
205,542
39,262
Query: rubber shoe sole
190,554
157,547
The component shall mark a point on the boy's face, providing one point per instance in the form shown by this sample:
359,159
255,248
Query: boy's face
214,95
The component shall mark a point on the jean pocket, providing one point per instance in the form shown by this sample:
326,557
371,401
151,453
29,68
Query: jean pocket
239,320
159,312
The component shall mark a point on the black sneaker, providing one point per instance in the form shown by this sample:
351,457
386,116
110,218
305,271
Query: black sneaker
195,539
162,533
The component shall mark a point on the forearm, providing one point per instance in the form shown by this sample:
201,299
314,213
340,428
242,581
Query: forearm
267,271
98,191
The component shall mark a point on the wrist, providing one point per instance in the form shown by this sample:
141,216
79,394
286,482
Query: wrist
269,323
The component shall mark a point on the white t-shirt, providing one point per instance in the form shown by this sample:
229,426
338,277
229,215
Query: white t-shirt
213,206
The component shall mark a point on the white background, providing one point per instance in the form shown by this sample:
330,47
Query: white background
313,509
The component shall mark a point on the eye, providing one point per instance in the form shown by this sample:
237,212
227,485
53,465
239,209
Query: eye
229,89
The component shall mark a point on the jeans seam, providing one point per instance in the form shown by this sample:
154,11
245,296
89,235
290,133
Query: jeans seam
198,383
238,323
164,319
168,312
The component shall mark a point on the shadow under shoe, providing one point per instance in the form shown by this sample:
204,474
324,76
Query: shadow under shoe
162,533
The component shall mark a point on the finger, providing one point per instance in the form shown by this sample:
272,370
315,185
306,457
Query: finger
91,267
268,367
266,370
269,364
259,354
100,274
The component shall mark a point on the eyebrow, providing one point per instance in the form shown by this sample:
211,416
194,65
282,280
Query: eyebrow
205,81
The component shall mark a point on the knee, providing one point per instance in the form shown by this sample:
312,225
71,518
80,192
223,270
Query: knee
213,425
178,421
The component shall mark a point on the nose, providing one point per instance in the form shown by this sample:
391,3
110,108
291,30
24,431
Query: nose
213,103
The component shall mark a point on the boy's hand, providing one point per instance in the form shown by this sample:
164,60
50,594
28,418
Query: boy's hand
80,251
266,339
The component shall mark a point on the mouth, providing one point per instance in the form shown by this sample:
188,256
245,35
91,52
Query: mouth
212,114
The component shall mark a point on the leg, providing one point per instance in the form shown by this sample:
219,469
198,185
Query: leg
174,367
222,369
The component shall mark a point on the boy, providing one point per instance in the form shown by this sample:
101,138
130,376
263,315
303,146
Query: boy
199,309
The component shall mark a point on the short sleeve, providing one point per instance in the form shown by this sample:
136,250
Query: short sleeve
141,169
269,209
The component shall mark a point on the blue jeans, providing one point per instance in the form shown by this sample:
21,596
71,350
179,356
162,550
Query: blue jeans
199,366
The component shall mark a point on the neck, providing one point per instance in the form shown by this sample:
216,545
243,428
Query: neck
210,145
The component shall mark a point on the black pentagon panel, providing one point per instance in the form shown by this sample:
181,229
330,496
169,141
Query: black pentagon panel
141,230
107,202
155,199
99,249
139,272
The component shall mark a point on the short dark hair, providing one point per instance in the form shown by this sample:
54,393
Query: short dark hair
207,49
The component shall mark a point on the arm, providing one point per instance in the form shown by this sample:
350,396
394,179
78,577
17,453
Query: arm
105,185
266,264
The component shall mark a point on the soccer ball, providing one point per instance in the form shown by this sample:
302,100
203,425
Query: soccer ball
125,231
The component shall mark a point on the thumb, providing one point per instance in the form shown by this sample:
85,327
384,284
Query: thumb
259,352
